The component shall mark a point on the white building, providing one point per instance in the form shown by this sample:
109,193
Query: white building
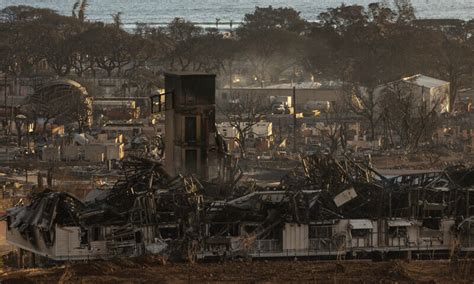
227,130
434,93
262,129
259,136
430,90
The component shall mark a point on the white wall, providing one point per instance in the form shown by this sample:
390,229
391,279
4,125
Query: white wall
295,237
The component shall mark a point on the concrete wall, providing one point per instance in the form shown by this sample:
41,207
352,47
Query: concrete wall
71,152
447,226
295,237
303,96
115,151
95,153
226,130
66,244
51,153
102,137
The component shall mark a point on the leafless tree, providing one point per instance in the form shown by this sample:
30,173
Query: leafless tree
80,112
335,129
407,115
60,103
364,102
242,112
47,110
455,63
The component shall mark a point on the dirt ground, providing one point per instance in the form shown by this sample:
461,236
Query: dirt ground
4,246
421,161
152,271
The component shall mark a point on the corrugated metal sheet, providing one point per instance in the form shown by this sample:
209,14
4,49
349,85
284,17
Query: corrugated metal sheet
399,223
344,197
361,224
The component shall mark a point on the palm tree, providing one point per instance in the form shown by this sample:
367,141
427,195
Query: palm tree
117,18
74,8
80,6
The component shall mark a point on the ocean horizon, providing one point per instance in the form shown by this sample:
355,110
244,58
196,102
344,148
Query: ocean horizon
207,11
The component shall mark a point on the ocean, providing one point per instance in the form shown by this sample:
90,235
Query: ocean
207,11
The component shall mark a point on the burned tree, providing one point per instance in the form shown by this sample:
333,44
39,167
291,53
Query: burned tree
455,64
243,112
363,102
334,129
364,41
411,117
64,101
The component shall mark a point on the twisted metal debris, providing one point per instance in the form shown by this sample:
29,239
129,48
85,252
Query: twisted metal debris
148,211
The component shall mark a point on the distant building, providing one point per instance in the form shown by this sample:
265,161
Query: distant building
431,90
260,135
281,104
305,92
111,87
125,128
464,102
434,92
190,124
262,129
229,133
227,130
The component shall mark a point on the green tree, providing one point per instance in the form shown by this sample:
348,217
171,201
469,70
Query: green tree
362,47
272,41
110,47
79,10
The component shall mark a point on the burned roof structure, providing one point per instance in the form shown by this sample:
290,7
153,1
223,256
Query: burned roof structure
38,219
63,100
149,211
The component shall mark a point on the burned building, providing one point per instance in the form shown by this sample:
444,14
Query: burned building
63,100
328,207
190,123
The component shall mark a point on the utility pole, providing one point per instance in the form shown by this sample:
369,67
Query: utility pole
5,103
12,111
230,80
294,119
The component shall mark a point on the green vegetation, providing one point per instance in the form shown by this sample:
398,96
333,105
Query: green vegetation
354,44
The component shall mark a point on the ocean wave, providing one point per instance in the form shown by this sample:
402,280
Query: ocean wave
207,11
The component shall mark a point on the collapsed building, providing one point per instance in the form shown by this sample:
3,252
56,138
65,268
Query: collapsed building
332,208
329,207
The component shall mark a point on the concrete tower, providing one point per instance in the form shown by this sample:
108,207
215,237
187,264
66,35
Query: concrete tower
190,123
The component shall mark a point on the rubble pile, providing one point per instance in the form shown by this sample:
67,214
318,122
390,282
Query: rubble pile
328,207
